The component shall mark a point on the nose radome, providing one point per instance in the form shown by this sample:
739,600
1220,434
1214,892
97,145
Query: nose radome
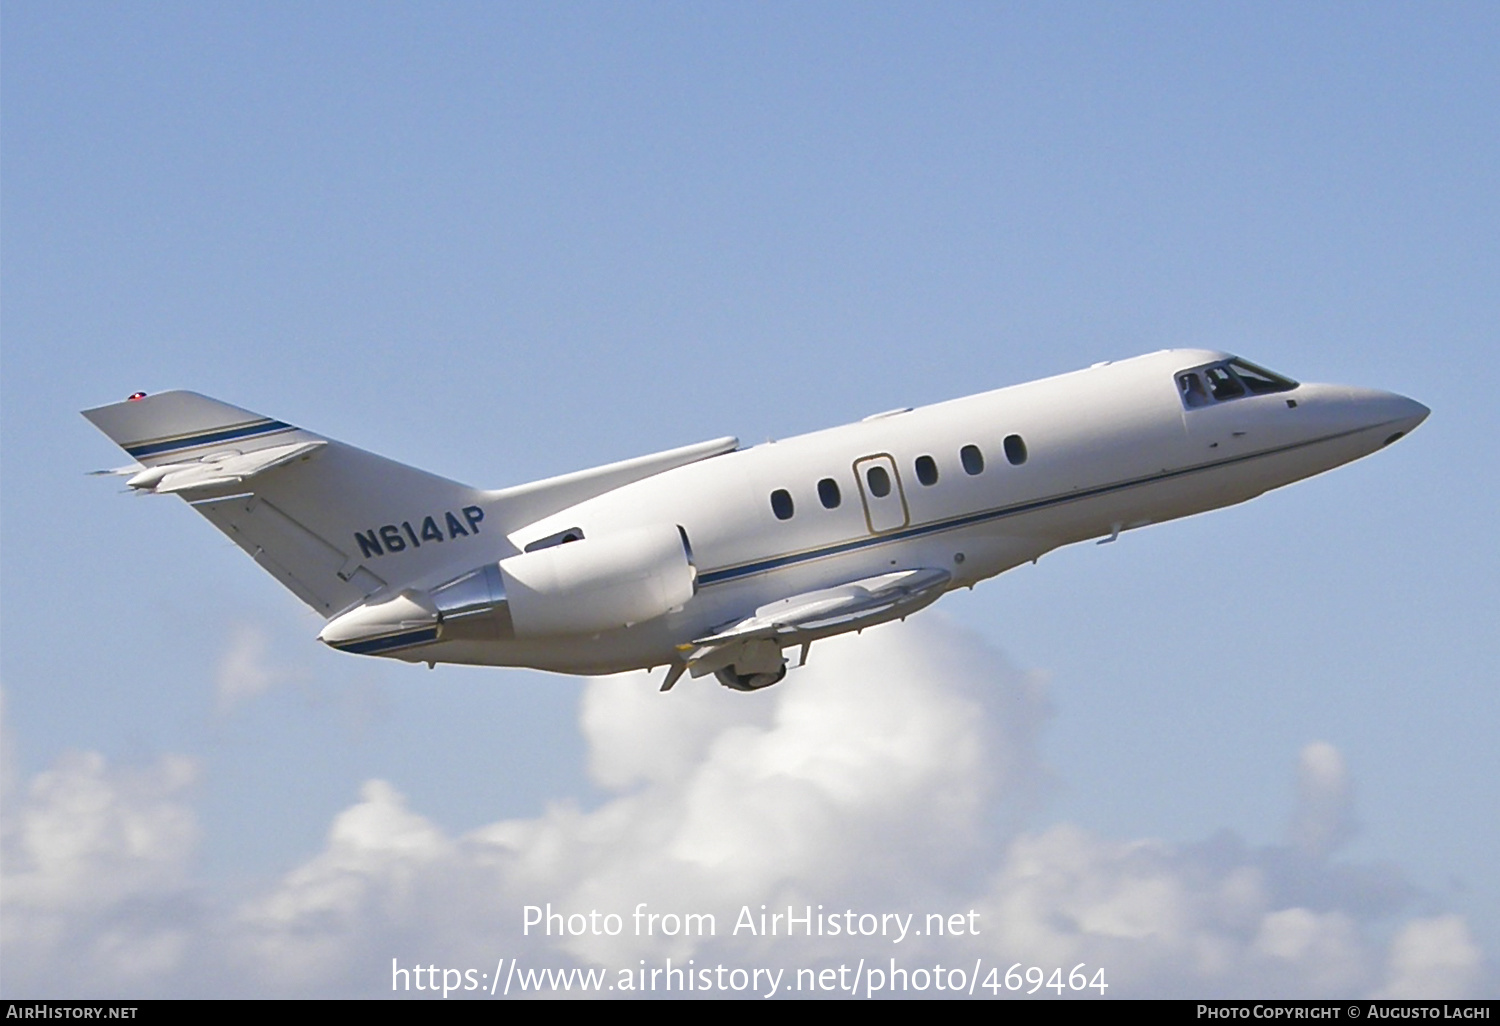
1387,409
1390,408
1342,408
1414,411
1409,414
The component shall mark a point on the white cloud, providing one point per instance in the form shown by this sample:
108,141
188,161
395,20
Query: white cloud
1324,818
892,774
1433,958
877,772
243,672
1168,920
94,895
379,860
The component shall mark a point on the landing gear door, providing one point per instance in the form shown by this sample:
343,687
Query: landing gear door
881,492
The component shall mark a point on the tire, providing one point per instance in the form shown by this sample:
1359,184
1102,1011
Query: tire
749,681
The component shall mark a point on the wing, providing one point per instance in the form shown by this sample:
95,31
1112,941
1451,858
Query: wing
803,619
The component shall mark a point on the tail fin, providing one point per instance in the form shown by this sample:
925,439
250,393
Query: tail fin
332,523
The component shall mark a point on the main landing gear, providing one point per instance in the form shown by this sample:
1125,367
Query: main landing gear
749,681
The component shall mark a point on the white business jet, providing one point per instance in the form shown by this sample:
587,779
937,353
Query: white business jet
717,559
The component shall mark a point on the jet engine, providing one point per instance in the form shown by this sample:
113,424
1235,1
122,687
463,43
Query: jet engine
578,587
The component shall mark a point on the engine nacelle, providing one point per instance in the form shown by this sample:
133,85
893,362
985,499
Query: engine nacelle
578,587
599,584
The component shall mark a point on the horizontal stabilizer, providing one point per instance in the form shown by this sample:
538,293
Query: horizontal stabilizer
219,468
802,619
174,427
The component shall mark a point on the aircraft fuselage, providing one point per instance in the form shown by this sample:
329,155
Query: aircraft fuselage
715,559
1106,449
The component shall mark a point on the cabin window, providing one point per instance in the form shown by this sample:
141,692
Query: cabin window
828,493
927,470
781,504
1015,449
972,459
879,481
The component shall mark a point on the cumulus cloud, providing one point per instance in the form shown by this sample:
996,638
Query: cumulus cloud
895,773
244,672
1324,818
1432,958
383,865
1218,919
891,765
93,875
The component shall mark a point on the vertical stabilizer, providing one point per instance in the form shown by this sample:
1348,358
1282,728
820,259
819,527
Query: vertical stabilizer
332,523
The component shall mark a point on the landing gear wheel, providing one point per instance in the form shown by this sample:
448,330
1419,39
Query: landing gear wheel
749,681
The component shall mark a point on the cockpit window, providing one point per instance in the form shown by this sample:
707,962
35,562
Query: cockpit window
1223,384
1259,380
1229,379
1191,387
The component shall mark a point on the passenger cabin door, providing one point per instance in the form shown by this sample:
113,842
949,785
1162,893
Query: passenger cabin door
880,491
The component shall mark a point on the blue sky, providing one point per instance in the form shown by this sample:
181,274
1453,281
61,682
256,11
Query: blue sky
504,241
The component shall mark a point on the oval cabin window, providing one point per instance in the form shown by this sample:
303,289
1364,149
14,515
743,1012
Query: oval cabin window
828,493
972,459
1015,449
781,504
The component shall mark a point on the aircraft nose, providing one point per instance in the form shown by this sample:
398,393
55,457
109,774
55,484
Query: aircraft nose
1387,409
1342,409
1413,412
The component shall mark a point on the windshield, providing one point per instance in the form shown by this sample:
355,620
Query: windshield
1226,380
